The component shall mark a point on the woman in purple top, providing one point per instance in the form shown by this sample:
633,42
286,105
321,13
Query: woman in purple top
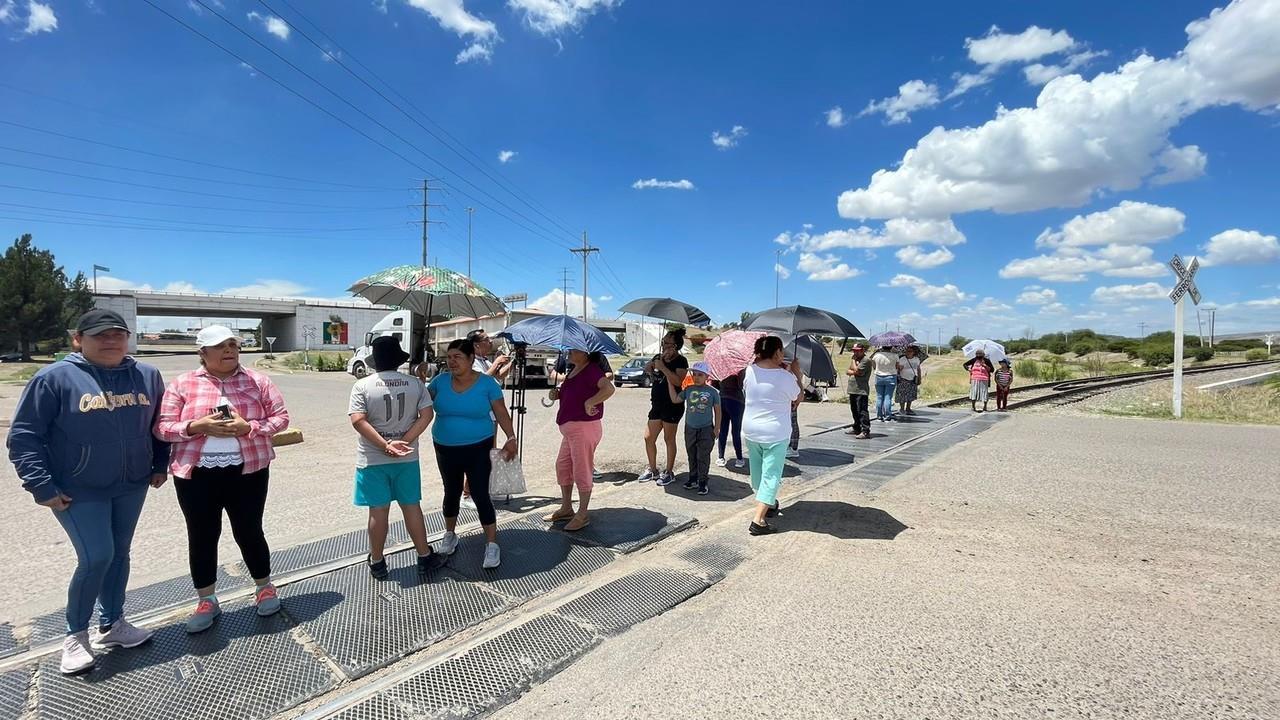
581,396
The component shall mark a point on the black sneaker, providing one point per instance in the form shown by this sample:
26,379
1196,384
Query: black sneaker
703,489
430,561
691,483
765,529
773,511
377,569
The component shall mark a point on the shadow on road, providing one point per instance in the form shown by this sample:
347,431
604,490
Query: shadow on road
840,520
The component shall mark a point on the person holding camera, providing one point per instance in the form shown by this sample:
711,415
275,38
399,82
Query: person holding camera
220,420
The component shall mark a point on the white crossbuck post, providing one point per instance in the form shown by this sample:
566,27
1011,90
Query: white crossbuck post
1185,285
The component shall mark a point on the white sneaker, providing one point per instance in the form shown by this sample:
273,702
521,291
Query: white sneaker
792,454
122,634
76,655
448,544
739,463
467,502
492,556
647,475
720,462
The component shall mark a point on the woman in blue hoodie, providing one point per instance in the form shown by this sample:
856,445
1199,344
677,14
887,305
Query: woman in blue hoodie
81,442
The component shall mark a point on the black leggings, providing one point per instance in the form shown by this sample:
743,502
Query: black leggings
243,497
470,463
731,423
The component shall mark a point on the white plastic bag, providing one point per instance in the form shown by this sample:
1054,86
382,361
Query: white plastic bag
507,478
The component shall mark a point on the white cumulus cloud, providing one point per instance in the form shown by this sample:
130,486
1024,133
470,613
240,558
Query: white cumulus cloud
8,11
998,48
1039,74
1241,247
1130,293
1129,223
1075,264
656,184
556,301
897,232
836,117
782,270
1036,295
506,156
825,267
40,18
931,295
912,95
453,16
1084,137
724,141
724,283
912,256
271,24
551,17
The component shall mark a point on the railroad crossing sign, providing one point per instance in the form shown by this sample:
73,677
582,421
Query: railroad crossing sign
1186,285
1186,279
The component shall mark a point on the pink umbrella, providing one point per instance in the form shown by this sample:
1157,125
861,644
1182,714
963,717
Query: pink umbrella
731,352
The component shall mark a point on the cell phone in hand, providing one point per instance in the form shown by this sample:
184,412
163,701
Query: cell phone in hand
225,411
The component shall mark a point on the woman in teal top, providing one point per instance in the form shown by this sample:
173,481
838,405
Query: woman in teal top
467,403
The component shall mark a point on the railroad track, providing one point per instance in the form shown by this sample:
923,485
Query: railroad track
1071,391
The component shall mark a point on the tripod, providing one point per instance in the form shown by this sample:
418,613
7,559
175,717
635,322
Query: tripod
517,394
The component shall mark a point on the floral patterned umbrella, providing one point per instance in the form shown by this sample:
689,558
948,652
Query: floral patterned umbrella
731,351
432,291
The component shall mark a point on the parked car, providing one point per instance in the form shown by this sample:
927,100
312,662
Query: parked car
633,374
11,357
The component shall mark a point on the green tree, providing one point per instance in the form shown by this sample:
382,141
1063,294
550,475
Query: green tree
33,291
742,319
958,342
78,302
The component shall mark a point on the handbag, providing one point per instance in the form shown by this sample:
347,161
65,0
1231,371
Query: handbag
507,477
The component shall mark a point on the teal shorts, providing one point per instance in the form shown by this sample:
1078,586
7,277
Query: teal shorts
381,485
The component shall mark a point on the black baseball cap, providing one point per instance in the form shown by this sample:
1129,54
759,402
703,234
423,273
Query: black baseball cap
98,320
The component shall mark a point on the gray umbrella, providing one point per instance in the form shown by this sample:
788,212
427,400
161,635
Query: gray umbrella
668,309
802,320
815,361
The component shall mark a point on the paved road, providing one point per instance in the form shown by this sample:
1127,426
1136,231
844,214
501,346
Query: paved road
311,486
1130,573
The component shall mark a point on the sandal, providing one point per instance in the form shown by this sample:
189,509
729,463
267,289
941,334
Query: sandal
571,528
558,516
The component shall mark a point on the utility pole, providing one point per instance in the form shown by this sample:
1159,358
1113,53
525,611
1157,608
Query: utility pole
470,213
426,223
1213,323
564,292
1142,331
586,251
777,275
1199,327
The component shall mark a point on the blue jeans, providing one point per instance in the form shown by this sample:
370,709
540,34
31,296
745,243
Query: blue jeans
885,385
101,532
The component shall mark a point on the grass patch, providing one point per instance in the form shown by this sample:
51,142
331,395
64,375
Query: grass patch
1252,404
18,373
320,361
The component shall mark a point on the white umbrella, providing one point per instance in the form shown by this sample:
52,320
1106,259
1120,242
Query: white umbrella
992,349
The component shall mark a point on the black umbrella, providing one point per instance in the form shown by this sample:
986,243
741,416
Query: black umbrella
813,357
801,320
668,309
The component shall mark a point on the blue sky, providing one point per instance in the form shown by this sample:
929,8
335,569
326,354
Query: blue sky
1031,166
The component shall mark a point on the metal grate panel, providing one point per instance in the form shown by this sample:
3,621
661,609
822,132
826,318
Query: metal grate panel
8,644
627,529
716,559
244,667
377,707
633,598
148,598
540,647
534,559
13,692
365,624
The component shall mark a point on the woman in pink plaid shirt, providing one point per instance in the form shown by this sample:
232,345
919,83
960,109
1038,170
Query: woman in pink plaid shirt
220,420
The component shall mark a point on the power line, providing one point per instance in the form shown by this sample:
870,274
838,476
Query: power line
176,158
171,229
586,250
201,193
338,59
29,208
344,101
194,178
196,207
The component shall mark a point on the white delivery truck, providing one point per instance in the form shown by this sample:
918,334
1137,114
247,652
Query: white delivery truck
410,329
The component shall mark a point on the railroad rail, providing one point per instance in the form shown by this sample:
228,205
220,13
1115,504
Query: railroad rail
1082,388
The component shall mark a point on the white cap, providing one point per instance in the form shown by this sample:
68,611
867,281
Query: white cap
213,335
